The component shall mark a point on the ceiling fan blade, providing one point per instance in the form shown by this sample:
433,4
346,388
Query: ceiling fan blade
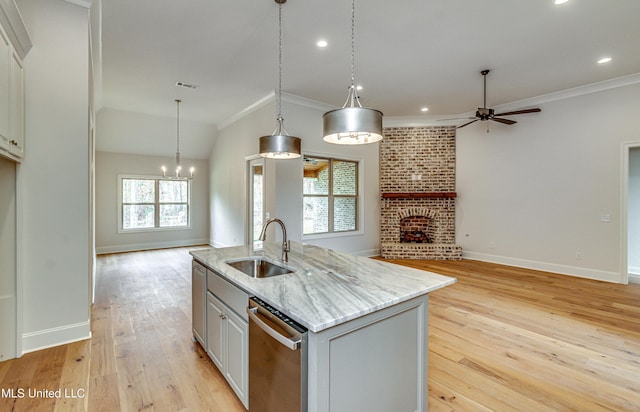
535,110
473,121
505,121
456,118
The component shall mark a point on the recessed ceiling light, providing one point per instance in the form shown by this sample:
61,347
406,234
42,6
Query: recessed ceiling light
604,60
560,1
424,109
322,43
358,87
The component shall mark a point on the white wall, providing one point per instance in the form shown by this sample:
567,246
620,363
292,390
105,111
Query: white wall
145,134
533,194
109,166
284,177
55,175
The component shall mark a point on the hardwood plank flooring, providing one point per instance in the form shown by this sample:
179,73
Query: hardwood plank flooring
501,339
512,339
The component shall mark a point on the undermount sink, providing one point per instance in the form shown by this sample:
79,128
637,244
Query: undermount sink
258,267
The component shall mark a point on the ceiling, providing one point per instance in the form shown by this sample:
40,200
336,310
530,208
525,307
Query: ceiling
409,53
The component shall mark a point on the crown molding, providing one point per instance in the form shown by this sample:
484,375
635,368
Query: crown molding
442,120
427,120
82,3
11,21
286,97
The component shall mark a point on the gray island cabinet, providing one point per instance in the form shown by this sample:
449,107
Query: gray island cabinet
367,322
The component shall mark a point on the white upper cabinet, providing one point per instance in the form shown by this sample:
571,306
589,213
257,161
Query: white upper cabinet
16,106
5,53
14,44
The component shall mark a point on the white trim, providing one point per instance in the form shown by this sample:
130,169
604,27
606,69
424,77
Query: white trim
633,278
625,152
544,266
219,245
247,110
429,120
366,253
82,3
286,97
11,21
303,101
133,247
60,335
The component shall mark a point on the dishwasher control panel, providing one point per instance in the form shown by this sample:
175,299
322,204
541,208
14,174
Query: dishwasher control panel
276,313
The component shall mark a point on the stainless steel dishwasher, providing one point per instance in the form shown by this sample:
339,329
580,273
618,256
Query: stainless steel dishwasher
277,360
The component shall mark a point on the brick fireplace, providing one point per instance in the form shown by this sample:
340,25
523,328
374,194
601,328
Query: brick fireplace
417,182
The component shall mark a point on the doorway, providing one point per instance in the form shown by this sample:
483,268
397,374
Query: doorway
8,257
630,213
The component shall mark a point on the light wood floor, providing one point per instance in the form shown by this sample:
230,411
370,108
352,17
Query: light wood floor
501,339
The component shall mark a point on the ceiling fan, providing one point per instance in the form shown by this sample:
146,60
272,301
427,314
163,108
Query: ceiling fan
484,113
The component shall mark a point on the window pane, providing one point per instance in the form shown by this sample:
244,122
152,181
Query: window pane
316,215
173,191
344,178
138,191
137,216
344,214
316,176
173,215
257,201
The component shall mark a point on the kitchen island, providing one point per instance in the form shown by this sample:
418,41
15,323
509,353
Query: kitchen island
367,321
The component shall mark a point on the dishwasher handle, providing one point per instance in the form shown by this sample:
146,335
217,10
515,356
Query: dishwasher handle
291,343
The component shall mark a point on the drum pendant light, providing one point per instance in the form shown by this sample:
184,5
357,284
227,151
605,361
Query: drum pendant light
352,124
280,145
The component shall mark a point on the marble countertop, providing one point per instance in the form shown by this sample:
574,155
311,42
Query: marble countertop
327,287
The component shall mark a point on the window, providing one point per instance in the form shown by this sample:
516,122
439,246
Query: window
330,195
149,203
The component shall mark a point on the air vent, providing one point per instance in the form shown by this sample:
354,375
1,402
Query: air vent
187,85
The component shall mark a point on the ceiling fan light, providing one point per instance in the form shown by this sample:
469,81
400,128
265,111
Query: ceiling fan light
352,125
280,146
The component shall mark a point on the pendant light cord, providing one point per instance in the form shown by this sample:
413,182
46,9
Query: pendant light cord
280,61
353,43
178,132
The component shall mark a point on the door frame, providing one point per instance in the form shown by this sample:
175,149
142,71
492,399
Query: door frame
625,153
248,220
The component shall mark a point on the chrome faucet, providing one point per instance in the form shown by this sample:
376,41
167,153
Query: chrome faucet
286,245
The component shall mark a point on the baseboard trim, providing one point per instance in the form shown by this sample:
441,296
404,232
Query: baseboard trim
634,278
47,338
133,247
544,266
366,253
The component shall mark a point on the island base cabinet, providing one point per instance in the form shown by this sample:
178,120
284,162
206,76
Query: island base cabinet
228,345
198,297
374,363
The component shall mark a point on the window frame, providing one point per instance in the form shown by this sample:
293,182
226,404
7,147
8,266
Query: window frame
156,204
359,221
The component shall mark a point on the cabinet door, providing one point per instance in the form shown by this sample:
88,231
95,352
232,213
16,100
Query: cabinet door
16,107
237,360
215,331
5,53
198,301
